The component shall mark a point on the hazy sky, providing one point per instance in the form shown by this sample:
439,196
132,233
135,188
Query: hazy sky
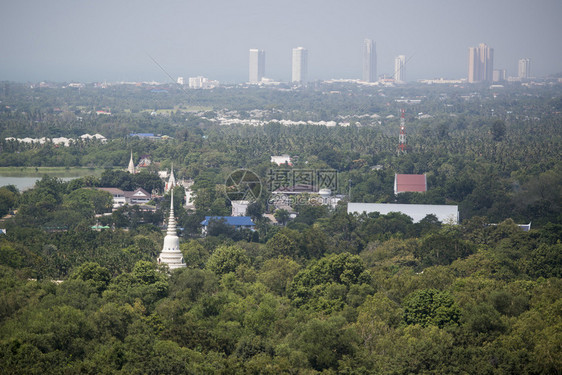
96,40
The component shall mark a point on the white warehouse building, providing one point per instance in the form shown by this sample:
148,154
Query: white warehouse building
448,214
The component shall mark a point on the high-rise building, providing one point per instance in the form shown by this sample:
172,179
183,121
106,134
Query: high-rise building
480,63
300,65
524,68
499,75
399,68
257,65
473,65
369,61
486,55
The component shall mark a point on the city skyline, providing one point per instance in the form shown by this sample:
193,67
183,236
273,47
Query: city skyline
83,41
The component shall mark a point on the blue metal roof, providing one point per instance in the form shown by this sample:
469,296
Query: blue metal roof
237,221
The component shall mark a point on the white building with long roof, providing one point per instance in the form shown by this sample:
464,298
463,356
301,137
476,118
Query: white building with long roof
448,214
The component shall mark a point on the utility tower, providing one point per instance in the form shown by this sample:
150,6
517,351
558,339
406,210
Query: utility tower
402,147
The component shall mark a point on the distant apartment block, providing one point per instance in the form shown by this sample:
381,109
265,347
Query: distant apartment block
257,65
300,65
480,63
369,61
500,75
524,68
399,68
202,83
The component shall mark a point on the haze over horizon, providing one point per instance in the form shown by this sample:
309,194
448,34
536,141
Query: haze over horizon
112,40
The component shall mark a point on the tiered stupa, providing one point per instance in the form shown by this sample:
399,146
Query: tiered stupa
131,168
171,254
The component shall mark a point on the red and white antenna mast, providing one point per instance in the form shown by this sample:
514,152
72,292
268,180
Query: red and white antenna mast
402,147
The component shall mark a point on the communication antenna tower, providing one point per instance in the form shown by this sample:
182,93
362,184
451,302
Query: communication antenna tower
402,147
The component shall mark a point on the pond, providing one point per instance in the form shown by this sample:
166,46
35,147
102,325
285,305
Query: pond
25,178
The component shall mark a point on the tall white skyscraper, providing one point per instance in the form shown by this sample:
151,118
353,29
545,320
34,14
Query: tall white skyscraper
473,65
257,65
480,63
300,65
486,55
399,68
369,61
524,68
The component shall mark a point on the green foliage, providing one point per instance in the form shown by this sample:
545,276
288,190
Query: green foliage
226,259
277,274
8,200
325,283
498,130
282,216
325,342
194,254
88,202
93,273
442,249
144,282
281,245
430,307
546,261
392,296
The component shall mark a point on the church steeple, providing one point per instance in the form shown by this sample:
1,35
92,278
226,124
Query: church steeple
171,254
131,168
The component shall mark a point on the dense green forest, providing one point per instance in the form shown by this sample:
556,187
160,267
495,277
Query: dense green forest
327,292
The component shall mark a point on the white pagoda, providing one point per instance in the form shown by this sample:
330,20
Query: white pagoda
171,254
131,168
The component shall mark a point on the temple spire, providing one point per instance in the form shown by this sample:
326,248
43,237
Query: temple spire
172,180
131,168
172,219
171,253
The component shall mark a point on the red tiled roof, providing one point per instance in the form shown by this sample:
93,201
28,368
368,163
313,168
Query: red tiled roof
410,183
